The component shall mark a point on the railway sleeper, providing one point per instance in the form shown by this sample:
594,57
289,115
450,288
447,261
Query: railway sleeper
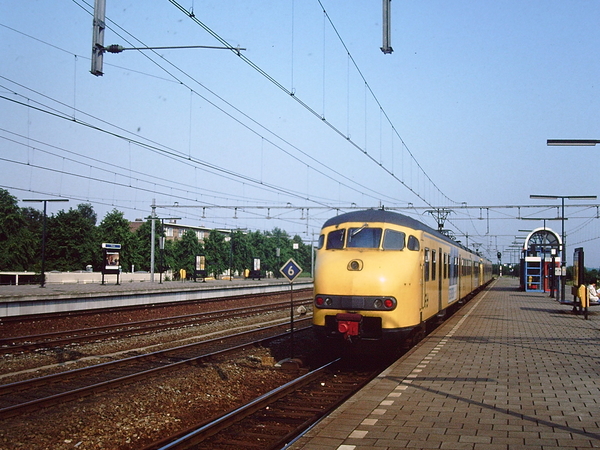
237,443
289,418
308,409
261,438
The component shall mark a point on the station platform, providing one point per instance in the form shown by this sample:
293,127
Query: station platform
510,370
22,300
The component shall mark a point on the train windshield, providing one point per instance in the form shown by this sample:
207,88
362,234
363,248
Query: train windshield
321,242
364,237
335,239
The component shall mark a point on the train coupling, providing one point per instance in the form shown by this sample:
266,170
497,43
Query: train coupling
348,324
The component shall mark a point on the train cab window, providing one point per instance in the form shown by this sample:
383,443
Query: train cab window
364,237
321,242
335,239
413,243
393,240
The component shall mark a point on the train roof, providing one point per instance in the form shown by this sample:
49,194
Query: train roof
381,215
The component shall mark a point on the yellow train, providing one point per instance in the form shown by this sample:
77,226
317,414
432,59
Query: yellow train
382,277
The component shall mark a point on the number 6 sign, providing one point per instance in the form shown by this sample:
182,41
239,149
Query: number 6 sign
290,270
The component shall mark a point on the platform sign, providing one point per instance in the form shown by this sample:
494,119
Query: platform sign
291,270
112,263
112,260
200,271
111,246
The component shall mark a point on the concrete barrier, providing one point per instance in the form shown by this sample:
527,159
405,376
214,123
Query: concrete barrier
96,277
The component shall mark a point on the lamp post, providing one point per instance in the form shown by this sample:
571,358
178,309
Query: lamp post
571,142
45,201
563,259
553,273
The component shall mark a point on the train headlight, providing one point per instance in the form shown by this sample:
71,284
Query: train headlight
355,265
378,303
323,302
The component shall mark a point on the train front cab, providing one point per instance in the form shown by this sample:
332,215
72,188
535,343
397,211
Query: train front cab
355,281
427,282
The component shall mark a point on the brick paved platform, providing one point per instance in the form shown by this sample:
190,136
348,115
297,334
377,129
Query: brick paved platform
510,370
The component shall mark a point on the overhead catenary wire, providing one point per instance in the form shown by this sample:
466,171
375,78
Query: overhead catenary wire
310,109
308,165
350,184
473,222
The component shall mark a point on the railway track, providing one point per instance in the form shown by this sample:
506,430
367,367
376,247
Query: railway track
274,419
25,396
89,334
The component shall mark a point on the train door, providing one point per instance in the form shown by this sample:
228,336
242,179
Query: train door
453,275
426,276
481,272
441,279
459,273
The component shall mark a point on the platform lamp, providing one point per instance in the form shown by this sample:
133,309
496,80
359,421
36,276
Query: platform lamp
45,201
553,252
572,142
563,259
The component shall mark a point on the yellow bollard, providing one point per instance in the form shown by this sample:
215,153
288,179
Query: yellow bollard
584,296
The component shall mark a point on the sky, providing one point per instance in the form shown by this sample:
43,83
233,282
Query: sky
300,115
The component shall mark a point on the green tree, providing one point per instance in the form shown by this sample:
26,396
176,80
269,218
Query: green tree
257,244
19,246
241,251
143,236
34,219
168,258
72,241
278,250
114,228
217,253
303,255
185,251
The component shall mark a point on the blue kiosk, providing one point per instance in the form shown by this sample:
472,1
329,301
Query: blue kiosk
541,261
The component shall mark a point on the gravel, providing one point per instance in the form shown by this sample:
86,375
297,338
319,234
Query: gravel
134,416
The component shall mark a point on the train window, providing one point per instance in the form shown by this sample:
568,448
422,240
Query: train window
426,265
445,265
321,242
335,239
433,264
413,243
393,240
364,237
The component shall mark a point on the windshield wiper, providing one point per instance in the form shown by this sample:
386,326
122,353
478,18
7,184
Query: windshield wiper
355,232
